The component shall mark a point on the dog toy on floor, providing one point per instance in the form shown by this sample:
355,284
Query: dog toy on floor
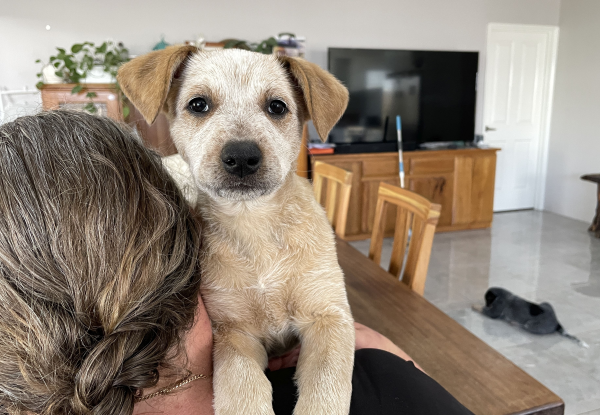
534,318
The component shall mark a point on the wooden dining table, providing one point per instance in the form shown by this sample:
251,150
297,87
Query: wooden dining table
478,376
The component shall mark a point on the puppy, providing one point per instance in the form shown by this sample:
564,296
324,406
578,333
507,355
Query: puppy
270,273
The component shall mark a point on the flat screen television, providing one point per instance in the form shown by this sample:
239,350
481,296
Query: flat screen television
433,92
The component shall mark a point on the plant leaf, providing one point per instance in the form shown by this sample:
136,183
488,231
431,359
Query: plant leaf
59,73
38,61
39,85
87,62
236,44
125,111
91,95
90,107
76,48
271,41
77,89
61,50
230,43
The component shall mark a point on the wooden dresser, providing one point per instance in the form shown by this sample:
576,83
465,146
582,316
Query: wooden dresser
462,181
106,101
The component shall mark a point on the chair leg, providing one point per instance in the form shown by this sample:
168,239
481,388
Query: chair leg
420,276
596,222
377,235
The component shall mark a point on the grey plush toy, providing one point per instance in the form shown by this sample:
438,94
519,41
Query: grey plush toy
534,318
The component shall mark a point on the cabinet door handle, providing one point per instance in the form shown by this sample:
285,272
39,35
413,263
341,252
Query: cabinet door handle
489,129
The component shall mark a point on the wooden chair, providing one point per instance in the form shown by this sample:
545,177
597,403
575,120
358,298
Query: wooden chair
336,206
416,219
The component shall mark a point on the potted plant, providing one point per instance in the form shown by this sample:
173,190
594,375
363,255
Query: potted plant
284,44
266,46
85,60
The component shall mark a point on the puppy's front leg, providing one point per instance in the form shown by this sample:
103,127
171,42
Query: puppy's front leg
240,385
324,371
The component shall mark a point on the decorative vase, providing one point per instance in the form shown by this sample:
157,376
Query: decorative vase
48,75
97,76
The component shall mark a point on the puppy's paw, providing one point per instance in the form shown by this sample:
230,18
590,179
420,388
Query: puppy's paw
252,397
308,406
237,407
245,411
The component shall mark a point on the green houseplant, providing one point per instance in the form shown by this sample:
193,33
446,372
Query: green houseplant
75,65
265,46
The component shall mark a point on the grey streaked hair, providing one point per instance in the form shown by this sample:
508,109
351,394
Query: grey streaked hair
99,272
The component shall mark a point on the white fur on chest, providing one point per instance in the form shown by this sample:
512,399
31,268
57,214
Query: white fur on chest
256,254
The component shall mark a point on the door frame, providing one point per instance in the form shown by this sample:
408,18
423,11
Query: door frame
552,33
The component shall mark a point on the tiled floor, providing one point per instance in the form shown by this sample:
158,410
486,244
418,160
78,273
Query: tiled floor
541,257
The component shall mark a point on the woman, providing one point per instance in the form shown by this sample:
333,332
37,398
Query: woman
99,281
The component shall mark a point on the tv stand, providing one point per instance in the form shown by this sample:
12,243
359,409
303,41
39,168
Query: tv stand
387,146
447,145
461,180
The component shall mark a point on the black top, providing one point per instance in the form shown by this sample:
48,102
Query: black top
382,384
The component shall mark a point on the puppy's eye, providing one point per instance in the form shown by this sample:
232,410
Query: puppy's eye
198,105
277,107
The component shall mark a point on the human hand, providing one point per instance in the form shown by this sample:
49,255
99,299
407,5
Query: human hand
366,338
290,359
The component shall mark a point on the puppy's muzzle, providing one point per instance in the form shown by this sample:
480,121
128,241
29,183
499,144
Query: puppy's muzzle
241,158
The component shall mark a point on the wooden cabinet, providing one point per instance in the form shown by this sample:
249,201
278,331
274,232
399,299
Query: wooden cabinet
462,181
59,96
155,136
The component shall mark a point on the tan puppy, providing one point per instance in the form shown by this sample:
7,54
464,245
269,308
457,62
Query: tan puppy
270,271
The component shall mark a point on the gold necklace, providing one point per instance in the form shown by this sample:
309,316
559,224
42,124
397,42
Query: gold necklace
170,388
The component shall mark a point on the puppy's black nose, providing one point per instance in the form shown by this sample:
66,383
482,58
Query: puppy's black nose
241,158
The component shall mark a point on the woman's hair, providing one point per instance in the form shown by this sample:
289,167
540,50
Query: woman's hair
99,273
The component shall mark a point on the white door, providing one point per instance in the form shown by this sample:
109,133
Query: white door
518,92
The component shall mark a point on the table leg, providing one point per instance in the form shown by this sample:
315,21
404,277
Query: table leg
596,222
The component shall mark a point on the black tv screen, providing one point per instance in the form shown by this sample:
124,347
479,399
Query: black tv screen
433,92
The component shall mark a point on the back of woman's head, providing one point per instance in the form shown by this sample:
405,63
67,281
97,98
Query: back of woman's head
98,266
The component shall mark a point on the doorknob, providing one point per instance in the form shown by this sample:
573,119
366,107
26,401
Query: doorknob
489,129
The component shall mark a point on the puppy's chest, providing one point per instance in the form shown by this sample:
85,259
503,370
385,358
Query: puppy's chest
250,276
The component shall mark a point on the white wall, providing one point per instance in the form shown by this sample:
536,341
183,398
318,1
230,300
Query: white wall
574,147
410,24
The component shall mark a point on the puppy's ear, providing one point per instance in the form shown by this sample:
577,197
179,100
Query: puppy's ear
325,97
146,80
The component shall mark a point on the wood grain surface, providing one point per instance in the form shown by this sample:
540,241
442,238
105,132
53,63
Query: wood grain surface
479,377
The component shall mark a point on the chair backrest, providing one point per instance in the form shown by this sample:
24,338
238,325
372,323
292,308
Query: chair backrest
416,219
337,199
